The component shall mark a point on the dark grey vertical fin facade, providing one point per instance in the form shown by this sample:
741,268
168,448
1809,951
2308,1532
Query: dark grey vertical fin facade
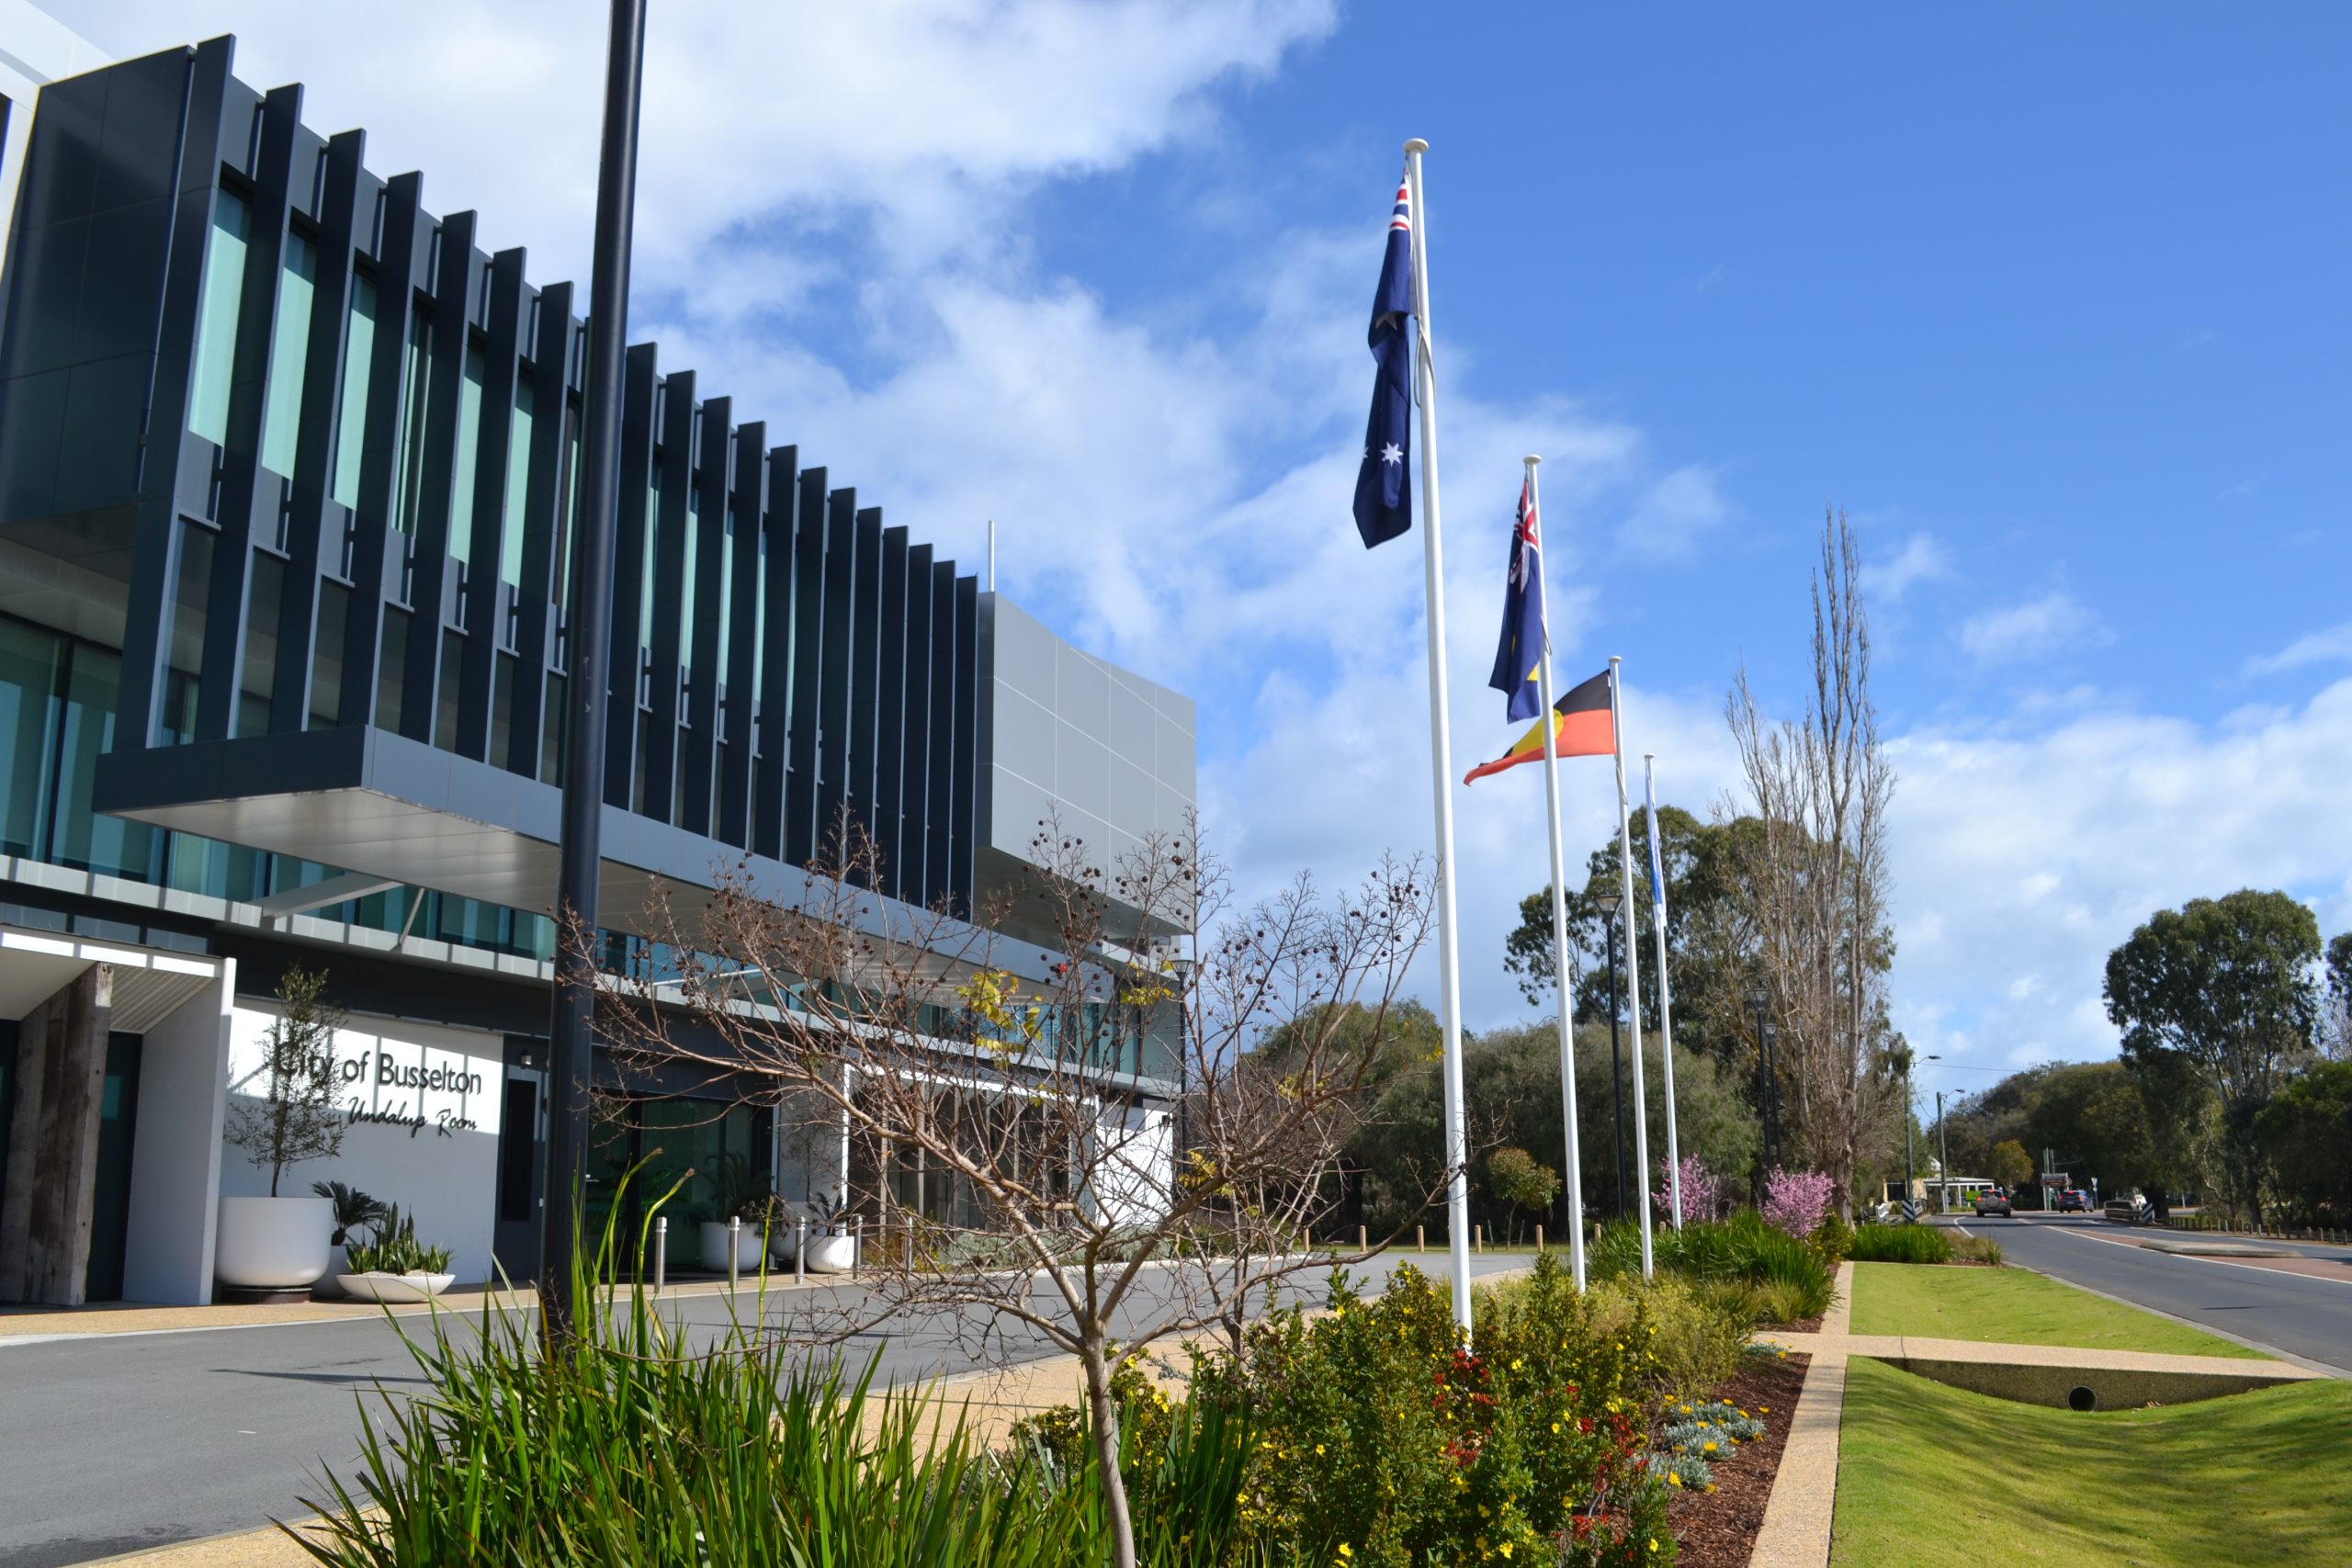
740,718
915,790
308,543
778,748
800,796
657,734
372,532
625,662
483,613
966,766
249,507
937,855
545,522
889,711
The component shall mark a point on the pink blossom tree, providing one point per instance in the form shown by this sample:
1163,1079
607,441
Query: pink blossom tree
1795,1200
1703,1195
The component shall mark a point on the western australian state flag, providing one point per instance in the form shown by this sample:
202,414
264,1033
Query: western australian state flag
1521,648
1384,483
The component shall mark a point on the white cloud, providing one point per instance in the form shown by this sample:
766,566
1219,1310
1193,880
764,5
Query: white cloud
1675,513
2037,853
2329,647
914,115
2035,629
1922,558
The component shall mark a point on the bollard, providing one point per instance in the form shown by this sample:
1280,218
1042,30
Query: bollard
1478,1239
1362,1243
660,1251
907,1247
1539,1236
800,1250
734,1253
856,1243
1420,1243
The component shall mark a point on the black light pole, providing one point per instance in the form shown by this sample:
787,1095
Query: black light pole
588,642
1616,1073
1910,1215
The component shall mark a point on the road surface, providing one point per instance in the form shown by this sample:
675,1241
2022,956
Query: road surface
120,1442
2304,1316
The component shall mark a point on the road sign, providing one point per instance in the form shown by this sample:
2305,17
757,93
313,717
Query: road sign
2055,1180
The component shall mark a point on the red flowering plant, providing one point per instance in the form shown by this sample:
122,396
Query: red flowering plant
1380,1440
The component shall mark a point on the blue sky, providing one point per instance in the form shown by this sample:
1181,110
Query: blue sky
2051,300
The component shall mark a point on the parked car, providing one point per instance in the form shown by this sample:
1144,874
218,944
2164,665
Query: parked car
1993,1204
2074,1201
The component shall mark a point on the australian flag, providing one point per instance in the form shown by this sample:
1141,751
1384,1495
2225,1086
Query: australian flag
1521,648
1384,483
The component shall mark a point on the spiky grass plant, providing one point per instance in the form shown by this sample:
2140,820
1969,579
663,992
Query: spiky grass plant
630,1447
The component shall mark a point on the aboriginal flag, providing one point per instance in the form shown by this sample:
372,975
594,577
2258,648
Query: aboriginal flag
1580,727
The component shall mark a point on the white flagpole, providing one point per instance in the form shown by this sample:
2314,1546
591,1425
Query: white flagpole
1665,992
1632,968
1449,957
1559,905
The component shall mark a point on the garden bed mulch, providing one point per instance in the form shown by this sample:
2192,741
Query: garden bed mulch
1718,1528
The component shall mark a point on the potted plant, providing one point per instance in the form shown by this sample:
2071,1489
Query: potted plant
354,1210
284,1244
831,1250
394,1266
736,1192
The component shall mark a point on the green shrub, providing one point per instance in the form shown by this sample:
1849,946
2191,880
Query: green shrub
1834,1240
1741,1249
630,1446
1976,1249
1376,1434
1901,1244
394,1249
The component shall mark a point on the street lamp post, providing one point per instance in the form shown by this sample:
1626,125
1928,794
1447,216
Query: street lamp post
1910,1178
588,638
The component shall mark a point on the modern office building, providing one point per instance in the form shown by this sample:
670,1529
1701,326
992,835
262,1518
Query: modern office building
286,470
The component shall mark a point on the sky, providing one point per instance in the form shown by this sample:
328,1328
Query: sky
2050,300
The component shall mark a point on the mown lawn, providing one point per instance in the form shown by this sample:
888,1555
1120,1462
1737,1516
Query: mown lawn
2251,1481
2014,1306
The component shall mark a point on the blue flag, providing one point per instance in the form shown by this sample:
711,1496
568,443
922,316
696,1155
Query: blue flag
1657,870
1384,481
1521,648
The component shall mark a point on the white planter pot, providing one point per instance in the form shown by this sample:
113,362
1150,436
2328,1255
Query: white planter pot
274,1244
714,1248
394,1287
831,1254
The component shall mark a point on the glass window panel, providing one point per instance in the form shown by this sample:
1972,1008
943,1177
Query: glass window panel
409,480
392,659
358,354
260,675
183,645
215,332
461,496
30,662
519,484
645,568
83,838
686,583
289,355
326,655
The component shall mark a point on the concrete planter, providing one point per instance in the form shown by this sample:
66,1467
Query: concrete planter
831,1254
714,1247
274,1244
394,1289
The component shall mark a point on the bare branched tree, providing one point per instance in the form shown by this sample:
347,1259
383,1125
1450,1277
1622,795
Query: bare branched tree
969,1089
1816,882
